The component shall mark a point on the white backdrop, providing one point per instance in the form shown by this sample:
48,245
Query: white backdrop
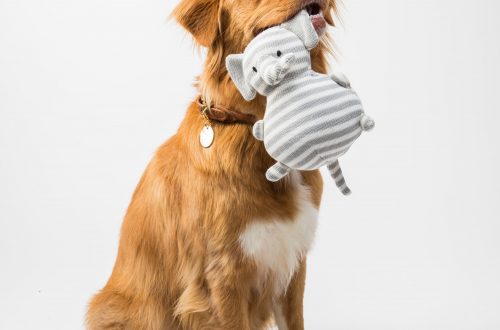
89,89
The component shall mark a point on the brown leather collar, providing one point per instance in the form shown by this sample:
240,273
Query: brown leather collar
224,115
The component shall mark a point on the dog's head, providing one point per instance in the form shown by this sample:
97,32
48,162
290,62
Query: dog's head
227,26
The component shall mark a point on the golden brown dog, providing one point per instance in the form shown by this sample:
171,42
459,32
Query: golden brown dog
207,241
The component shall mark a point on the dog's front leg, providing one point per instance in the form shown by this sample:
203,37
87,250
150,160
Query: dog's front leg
227,280
289,313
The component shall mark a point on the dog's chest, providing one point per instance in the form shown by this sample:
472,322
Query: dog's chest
278,245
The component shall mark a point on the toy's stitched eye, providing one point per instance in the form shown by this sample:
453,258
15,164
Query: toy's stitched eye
278,53
254,69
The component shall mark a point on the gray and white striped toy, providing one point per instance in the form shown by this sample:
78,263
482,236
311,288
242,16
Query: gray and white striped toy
310,118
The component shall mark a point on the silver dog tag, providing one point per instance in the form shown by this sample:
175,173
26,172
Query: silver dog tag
206,136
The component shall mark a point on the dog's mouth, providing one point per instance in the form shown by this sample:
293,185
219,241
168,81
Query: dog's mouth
315,10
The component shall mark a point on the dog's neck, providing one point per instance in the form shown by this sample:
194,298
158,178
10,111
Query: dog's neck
224,93
235,153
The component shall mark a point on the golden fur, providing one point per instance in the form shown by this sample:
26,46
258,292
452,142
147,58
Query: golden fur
179,264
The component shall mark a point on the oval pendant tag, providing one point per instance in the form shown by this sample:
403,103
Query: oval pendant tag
206,136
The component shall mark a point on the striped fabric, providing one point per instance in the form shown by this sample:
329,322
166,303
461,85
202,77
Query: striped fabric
310,120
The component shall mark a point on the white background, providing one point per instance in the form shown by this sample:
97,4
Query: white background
89,89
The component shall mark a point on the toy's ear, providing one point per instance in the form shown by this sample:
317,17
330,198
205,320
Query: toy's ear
234,65
301,25
200,18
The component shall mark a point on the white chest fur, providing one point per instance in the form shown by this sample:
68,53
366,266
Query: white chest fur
277,245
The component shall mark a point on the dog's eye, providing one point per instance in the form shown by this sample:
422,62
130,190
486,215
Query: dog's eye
254,69
278,53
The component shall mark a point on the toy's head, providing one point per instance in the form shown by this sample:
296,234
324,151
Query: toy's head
276,54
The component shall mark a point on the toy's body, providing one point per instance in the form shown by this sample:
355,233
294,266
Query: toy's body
310,120
316,124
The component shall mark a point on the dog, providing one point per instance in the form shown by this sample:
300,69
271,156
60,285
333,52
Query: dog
207,241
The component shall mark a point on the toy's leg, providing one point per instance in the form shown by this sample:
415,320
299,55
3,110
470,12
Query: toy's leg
258,130
337,175
367,124
341,79
277,172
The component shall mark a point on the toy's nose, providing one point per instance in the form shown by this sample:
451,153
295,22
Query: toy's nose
273,69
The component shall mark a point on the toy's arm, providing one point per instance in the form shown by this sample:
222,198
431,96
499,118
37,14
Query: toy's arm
341,79
277,172
258,130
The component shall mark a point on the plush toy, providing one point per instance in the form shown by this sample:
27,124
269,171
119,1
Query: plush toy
310,119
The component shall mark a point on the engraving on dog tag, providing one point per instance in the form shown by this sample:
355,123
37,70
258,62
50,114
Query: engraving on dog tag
206,136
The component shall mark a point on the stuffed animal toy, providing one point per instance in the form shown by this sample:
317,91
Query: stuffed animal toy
310,119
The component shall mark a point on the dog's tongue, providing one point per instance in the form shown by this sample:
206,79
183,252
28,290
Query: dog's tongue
319,23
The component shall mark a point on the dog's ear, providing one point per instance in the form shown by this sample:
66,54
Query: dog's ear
234,65
301,25
200,18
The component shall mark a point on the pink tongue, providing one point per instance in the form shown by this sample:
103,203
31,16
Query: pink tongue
318,22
